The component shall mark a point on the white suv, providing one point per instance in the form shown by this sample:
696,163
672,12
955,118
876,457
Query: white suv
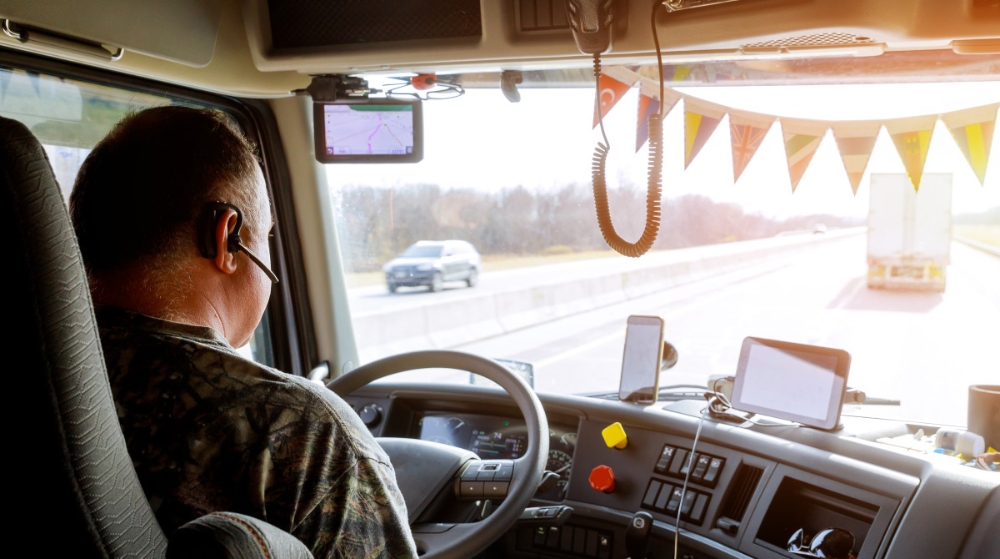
432,263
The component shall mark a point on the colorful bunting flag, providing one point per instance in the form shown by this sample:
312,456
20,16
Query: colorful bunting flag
612,90
802,138
700,120
912,137
746,131
676,73
855,142
973,132
648,105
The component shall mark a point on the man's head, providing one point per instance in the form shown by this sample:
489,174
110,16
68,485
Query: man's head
136,206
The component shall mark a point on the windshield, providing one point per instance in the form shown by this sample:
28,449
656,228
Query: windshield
907,282
421,251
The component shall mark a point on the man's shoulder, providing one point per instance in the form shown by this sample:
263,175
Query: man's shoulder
150,359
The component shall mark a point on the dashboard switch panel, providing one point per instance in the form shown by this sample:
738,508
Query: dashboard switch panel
705,468
602,478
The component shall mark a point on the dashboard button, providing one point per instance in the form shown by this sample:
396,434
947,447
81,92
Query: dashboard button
540,534
579,540
661,501
689,498
591,550
664,461
552,540
700,466
505,472
698,511
470,472
650,498
714,467
603,546
495,489
567,540
485,475
602,478
614,436
675,501
471,489
678,462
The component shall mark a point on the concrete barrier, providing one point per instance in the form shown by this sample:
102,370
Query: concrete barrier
989,249
561,291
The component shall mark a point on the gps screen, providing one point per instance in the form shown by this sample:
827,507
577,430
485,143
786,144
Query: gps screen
378,132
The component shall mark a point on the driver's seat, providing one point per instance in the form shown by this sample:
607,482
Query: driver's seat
75,490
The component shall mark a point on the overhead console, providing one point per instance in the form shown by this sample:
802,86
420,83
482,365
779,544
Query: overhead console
314,36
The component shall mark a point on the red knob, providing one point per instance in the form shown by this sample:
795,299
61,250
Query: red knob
602,478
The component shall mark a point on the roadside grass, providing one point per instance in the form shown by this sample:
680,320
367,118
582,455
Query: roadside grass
989,234
495,262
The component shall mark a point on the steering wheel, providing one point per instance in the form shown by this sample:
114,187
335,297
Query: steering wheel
424,470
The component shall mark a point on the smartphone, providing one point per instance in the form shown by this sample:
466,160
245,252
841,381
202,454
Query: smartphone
641,360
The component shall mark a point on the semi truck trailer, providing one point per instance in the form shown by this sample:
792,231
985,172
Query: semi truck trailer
909,231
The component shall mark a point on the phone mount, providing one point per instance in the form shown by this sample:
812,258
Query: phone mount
670,356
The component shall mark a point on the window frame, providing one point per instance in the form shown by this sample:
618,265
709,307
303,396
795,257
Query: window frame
288,311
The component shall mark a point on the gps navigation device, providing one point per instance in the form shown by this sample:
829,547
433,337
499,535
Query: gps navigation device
369,131
797,382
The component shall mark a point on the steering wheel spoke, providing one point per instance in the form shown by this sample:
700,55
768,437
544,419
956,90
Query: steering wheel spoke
518,479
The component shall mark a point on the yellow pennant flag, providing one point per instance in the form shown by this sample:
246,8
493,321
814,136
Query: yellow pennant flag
912,137
973,132
746,132
700,119
855,142
802,138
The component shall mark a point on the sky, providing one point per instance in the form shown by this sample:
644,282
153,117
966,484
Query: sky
482,141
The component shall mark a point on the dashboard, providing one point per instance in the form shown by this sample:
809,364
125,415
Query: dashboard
750,488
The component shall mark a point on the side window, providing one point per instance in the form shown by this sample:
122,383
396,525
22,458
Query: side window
69,117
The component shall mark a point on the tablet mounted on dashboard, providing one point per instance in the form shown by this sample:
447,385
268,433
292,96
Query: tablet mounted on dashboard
796,382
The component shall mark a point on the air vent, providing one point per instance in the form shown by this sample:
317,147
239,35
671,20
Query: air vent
541,15
819,40
738,498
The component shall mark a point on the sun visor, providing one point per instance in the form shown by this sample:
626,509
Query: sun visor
185,31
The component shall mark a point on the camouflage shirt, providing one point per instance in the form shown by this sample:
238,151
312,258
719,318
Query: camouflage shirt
208,430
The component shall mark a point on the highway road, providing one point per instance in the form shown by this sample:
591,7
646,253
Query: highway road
923,349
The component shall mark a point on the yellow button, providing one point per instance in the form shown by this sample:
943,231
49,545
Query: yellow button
614,436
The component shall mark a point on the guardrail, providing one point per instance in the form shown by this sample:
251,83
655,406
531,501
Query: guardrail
990,249
480,315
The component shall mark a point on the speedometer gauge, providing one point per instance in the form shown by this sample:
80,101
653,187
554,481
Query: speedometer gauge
559,462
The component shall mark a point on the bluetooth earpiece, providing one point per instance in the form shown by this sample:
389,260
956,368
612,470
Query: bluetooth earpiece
207,223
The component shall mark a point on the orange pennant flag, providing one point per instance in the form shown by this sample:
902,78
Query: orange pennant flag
747,132
973,132
612,91
802,139
648,105
912,138
700,119
855,142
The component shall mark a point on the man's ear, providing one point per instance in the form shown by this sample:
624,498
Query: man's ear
224,260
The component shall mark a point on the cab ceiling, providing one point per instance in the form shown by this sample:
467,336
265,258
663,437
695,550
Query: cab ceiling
263,47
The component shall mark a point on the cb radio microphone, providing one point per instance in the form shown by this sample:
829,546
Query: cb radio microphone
591,22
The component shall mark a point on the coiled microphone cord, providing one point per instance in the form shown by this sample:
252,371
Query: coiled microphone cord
655,173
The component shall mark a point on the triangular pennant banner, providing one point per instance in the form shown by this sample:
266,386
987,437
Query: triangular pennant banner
912,138
700,119
612,90
802,138
648,105
973,132
746,131
855,142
